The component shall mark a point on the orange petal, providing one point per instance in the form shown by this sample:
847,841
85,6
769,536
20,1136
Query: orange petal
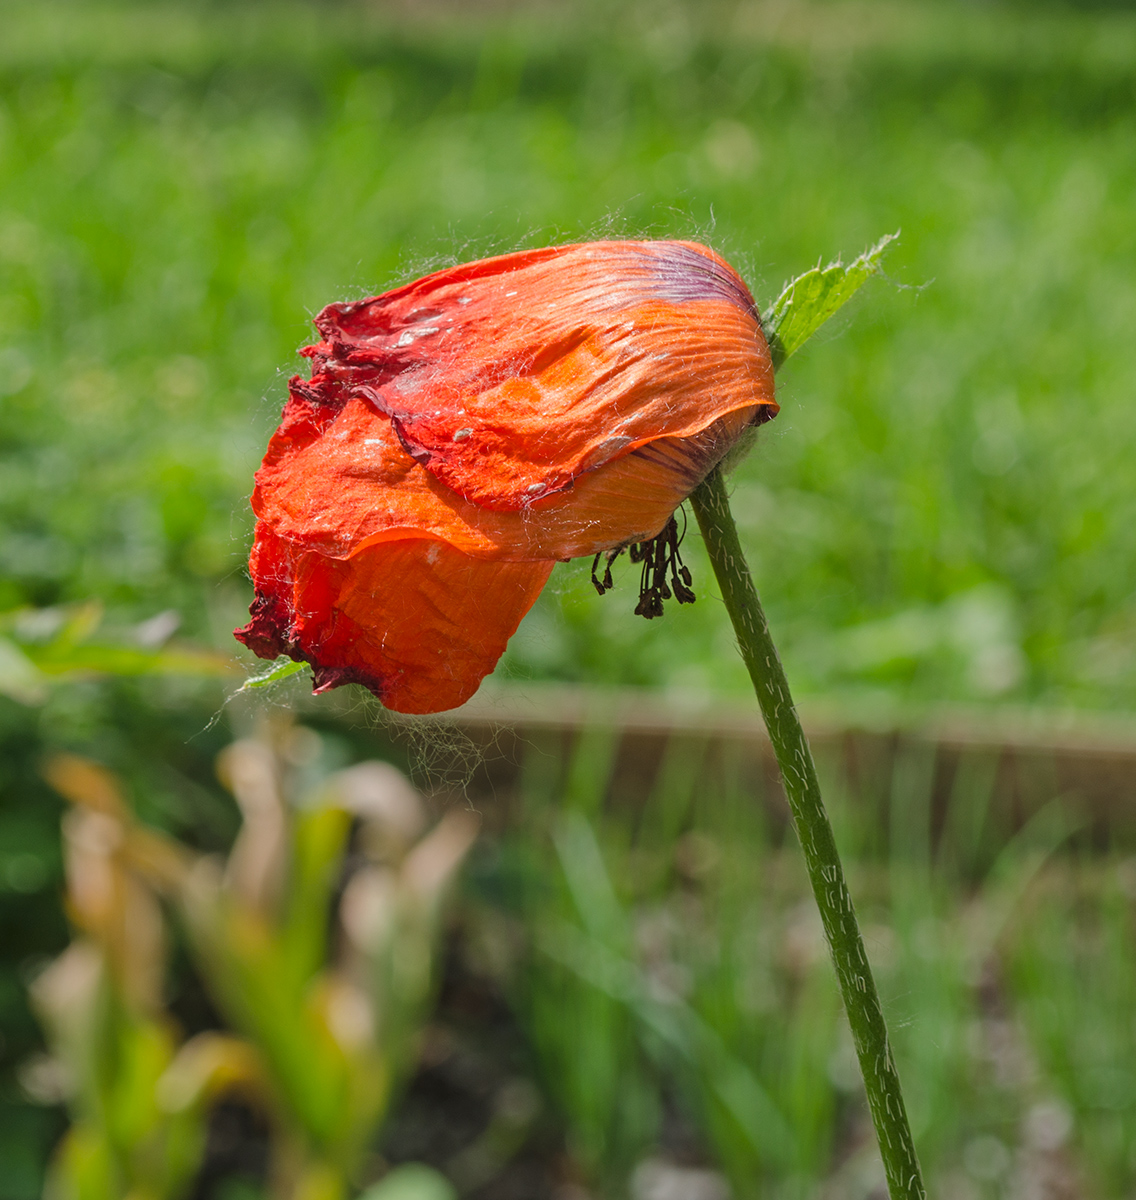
509,378
415,620
335,480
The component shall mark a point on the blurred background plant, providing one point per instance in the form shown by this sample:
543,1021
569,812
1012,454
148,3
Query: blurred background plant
40,647
637,999
943,511
652,932
328,1034
138,1097
668,941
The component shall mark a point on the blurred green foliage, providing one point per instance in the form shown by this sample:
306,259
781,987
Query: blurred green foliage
41,646
1074,971
672,944
943,507
330,1024
137,1097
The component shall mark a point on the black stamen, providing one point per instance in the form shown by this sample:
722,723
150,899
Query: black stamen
605,584
600,587
663,575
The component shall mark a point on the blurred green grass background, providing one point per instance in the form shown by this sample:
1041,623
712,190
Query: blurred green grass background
944,508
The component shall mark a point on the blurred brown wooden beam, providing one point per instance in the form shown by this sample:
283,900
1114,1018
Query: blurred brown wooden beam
1034,754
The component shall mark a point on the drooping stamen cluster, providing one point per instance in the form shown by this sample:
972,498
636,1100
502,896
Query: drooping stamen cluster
664,574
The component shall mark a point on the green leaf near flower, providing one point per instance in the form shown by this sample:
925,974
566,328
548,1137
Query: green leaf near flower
808,301
282,668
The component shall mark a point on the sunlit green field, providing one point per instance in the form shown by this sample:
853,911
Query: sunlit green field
945,509
945,506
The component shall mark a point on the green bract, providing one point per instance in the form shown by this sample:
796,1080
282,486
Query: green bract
808,301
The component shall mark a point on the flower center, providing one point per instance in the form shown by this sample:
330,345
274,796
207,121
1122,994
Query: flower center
663,575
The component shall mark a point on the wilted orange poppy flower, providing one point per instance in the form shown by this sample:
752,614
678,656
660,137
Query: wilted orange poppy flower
461,434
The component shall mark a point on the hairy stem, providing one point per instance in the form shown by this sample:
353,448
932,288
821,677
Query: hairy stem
861,1001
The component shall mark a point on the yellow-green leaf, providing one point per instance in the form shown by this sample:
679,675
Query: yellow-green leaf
811,299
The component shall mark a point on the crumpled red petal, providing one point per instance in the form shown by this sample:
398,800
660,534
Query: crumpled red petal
510,377
461,433
416,621
336,479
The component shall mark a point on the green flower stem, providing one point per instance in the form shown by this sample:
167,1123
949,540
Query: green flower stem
861,1000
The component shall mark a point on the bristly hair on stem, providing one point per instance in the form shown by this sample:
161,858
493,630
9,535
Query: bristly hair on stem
664,574
711,505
